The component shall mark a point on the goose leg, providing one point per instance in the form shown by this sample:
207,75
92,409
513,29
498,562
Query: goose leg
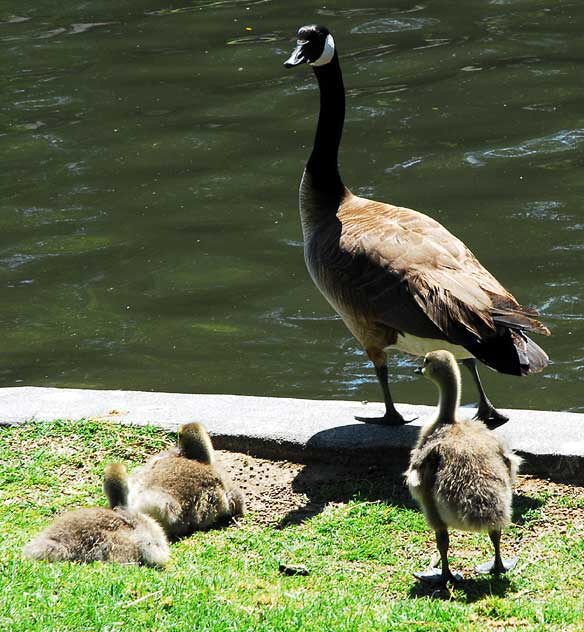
498,565
486,411
445,575
391,417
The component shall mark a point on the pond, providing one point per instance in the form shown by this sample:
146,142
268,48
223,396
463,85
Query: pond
151,154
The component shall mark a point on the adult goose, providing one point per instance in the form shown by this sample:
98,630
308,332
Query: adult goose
461,473
398,278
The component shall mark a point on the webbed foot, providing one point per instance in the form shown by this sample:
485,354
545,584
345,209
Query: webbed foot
491,417
436,577
389,419
497,569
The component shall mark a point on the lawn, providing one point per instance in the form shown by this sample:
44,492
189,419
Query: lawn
354,529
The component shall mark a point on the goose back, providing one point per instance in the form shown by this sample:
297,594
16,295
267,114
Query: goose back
398,277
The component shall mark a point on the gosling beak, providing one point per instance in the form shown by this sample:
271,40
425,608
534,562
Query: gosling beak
296,58
419,370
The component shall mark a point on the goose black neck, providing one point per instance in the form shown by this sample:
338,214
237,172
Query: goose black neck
323,162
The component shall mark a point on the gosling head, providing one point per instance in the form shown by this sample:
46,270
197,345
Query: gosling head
115,485
315,46
440,367
194,443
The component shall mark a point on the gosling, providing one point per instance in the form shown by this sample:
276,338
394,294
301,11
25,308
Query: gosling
183,489
460,473
104,535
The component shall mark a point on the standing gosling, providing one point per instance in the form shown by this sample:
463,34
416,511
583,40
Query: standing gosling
183,489
460,473
105,535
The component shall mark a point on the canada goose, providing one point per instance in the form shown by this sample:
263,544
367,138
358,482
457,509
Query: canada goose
106,535
460,473
182,488
398,279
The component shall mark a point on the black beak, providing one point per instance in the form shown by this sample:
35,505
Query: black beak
419,370
296,58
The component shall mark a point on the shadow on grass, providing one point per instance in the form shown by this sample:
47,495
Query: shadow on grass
372,460
523,508
325,483
473,589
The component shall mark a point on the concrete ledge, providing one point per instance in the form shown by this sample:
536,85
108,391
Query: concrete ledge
552,443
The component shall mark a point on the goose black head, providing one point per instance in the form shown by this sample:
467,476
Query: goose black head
315,46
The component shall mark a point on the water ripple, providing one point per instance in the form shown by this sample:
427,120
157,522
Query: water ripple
20,259
362,12
415,160
433,42
557,307
554,143
216,4
289,320
569,247
394,25
545,210
255,39
15,19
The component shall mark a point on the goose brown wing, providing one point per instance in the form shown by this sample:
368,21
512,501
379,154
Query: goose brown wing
414,259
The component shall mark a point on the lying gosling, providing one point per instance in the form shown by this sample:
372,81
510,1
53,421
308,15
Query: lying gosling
460,473
104,535
183,489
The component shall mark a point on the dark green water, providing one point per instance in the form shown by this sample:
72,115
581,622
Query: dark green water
151,153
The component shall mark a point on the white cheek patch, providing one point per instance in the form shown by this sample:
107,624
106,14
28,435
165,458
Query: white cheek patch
327,53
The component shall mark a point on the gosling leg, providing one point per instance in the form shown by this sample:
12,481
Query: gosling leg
498,566
434,575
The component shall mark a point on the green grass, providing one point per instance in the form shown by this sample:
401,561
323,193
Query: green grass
360,555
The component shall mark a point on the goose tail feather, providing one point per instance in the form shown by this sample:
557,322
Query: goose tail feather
511,352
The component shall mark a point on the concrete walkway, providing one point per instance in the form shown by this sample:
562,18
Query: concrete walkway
552,443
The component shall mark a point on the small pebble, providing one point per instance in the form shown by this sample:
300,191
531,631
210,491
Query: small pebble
293,569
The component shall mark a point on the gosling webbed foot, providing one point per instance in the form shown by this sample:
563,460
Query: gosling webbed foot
497,569
491,417
436,577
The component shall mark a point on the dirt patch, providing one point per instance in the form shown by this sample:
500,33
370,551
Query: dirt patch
280,492
267,485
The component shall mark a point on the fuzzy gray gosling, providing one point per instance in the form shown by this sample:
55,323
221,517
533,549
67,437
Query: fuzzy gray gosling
183,488
105,535
460,473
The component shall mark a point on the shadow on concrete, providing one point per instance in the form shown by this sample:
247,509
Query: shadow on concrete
369,444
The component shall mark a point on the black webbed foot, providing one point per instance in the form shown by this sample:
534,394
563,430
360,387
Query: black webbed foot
491,417
389,419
